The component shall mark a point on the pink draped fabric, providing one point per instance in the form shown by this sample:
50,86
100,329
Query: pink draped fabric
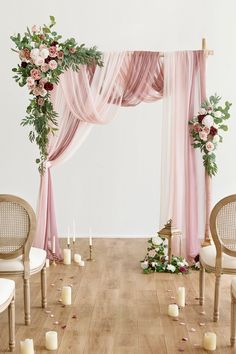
93,96
182,176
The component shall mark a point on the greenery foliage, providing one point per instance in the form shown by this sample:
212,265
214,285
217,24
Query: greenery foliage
43,58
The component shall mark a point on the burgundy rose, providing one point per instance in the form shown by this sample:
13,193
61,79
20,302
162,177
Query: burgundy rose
200,118
54,43
48,86
24,64
213,131
182,270
196,258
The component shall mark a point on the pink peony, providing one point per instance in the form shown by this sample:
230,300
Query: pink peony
210,146
35,74
151,253
44,67
203,135
53,52
52,64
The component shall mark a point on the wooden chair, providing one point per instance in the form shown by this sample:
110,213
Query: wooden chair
219,258
7,300
17,257
233,312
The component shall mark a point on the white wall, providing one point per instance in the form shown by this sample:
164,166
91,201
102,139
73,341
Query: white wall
113,183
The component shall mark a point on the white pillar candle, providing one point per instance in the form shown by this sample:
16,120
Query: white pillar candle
67,256
47,263
73,230
51,340
66,295
181,296
209,341
173,310
81,263
27,346
77,257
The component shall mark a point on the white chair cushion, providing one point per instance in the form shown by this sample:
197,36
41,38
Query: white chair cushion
233,286
7,288
37,259
208,256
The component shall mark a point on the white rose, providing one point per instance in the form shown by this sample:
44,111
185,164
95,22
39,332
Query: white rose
216,139
202,111
154,264
217,114
208,121
197,265
39,61
44,53
34,53
157,240
144,265
180,264
171,268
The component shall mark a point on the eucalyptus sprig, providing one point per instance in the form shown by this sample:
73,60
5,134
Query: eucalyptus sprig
43,58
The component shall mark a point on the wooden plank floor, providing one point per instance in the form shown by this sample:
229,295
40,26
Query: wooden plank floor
117,309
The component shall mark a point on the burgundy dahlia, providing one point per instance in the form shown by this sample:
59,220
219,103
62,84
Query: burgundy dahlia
213,131
182,269
54,43
201,117
48,86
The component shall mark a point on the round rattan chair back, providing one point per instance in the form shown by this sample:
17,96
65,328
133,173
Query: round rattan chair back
223,224
17,226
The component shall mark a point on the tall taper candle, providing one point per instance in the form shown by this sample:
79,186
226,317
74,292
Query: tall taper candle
53,244
74,230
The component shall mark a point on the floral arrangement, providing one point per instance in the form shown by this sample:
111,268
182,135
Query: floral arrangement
43,58
206,130
157,261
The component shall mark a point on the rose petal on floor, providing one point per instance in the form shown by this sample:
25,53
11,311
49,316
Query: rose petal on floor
184,339
193,330
182,323
201,324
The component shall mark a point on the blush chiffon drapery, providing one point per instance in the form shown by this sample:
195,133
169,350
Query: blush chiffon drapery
93,96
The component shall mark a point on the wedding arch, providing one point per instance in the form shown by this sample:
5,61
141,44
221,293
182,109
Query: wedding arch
88,93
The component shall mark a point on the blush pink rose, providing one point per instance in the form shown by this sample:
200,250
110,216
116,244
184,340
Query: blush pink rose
40,101
197,127
35,29
30,81
35,74
53,52
52,64
37,91
151,253
72,50
44,67
210,146
203,135
206,130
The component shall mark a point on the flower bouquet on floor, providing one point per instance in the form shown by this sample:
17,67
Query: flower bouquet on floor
156,259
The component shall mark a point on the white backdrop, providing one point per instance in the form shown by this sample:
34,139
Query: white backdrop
113,183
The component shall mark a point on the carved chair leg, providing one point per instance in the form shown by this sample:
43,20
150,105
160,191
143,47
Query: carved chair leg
44,287
11,320
217,298
233,319
201,284
27,301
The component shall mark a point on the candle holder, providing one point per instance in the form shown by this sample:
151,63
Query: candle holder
54,263
90,259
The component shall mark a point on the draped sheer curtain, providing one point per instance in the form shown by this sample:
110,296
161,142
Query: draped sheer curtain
182,180
93,96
